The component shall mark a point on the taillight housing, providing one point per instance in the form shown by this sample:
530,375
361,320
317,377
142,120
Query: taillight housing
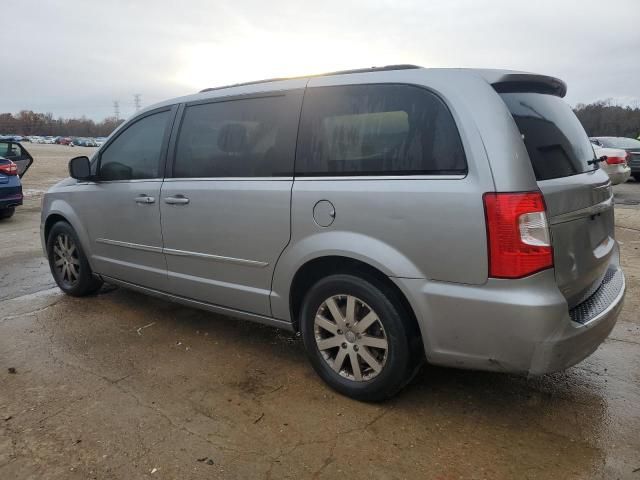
617,160
518,238
9,168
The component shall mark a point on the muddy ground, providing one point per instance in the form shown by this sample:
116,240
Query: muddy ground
123,386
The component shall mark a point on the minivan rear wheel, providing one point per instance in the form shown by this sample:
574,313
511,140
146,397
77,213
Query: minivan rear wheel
357,337
68,262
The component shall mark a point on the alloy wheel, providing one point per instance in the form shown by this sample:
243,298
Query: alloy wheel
351,337
65,260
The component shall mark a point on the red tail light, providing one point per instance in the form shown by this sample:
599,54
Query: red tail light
9,168
517,234
617,160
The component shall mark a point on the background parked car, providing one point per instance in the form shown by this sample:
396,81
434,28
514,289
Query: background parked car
14,163
84,142
631,145
11,137
616,163
65,141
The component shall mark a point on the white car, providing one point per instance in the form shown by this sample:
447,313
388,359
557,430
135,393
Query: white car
615,165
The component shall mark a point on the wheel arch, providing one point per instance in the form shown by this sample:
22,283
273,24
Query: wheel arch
51,220
317,268
61,211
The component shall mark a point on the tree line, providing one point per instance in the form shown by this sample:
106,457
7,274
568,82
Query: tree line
601,118
606,119
28,122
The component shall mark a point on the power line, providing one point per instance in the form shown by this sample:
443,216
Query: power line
137,100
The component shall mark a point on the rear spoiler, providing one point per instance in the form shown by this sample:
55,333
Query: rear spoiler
509,82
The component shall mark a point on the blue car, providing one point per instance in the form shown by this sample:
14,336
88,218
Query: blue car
14,163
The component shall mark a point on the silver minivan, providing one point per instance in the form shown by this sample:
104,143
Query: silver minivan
390,215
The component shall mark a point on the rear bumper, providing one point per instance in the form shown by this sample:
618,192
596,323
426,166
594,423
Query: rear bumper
576,341
519,326
620,175
9,201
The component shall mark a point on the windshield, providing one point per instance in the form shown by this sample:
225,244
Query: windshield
556,142
620,142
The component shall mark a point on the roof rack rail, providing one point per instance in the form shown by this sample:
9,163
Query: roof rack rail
339,72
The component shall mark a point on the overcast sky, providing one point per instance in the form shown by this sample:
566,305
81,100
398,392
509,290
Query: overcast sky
75,57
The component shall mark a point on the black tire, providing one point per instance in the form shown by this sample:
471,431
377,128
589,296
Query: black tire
397,327
7,212
81,281
637,177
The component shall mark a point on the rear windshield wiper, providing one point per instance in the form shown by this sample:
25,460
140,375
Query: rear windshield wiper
597,160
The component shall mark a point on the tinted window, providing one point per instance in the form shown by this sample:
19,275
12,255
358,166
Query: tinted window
557,144
239,138
135,153
377,130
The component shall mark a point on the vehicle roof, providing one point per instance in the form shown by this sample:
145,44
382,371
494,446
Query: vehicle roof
503,81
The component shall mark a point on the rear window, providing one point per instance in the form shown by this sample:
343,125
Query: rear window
557,144
377,130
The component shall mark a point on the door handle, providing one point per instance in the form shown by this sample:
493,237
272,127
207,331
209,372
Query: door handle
177,200
145,199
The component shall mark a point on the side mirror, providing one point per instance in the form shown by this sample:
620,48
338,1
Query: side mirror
80,168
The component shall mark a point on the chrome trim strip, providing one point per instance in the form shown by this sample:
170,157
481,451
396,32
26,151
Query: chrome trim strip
133,180
383,177
228,179
135,246
328,177
583,212
291,178
183,253
215,258
254,317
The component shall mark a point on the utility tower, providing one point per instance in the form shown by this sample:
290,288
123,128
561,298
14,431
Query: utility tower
137,101
116,109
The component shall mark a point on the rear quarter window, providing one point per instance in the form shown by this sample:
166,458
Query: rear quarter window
556,142
377,130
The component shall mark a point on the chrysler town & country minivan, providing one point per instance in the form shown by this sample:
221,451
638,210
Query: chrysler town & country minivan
390,215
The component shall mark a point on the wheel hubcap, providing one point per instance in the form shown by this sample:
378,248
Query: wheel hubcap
351,338
65,259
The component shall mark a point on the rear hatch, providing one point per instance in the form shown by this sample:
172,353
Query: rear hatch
576,191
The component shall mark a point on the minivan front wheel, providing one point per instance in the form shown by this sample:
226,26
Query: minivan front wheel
69,265
356,336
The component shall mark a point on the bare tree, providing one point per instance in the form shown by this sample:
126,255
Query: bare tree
608,118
